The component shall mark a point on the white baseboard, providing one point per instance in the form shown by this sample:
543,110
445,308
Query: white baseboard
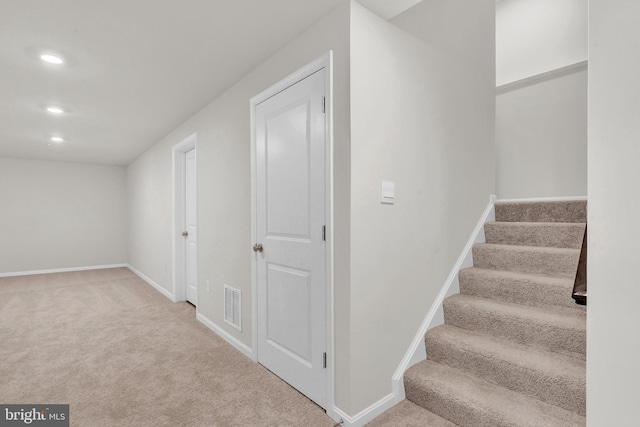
147,279
435,316
202,318
240,346
366,415
61,270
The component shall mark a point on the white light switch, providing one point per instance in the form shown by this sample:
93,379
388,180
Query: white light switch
387,192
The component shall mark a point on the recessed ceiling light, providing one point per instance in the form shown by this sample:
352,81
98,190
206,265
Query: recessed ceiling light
57,139
51,59
55,109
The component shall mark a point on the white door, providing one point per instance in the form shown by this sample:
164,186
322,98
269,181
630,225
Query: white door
290,248
190,228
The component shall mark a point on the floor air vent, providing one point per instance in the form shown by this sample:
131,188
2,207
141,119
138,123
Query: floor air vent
232,310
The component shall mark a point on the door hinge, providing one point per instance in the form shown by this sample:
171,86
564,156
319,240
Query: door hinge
324,360
324,232
324,104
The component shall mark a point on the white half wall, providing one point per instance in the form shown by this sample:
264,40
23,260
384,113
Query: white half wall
613,347
422,116
61,215
536,36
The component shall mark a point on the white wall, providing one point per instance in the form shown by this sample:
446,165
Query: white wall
60,215
613,347
422,113
149,214
541,121
428,126
541,138
536,36
224,188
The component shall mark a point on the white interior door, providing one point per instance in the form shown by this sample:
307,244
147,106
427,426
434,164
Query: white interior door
290,249
191,231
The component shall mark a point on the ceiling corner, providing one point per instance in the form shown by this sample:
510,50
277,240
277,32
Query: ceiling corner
388,9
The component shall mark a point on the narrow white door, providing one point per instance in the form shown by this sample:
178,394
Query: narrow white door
290,248
191,230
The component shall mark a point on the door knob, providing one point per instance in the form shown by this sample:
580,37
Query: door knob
257,247
185,234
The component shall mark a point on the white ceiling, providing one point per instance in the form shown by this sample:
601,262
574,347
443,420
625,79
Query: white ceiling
388,9
135,68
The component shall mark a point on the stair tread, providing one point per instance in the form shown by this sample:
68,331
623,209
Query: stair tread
560,262
520,288
542,234
556,364
563,332
539,223
552,377
542,314
532,249
563,282
408,414
468,400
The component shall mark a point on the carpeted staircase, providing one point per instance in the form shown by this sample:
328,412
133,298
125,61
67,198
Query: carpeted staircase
512,349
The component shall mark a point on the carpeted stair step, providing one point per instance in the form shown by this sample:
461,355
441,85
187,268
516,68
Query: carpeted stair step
548,234
551,377
519,288
542,327
408,414
561,262
553,211
467,400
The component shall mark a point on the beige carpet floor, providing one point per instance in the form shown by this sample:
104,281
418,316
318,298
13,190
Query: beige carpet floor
121,354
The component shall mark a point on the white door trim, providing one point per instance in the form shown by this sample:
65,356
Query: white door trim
179,244
325,61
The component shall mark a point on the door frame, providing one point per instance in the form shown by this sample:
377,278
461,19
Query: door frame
324,61
179,214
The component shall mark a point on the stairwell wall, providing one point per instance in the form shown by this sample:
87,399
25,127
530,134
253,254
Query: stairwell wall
422,116
613,348
538,36
541,119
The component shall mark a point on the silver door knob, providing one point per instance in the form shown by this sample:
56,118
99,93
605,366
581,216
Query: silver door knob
185,234
257,247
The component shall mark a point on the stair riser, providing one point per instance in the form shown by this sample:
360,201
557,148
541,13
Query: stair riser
560,389
518,291
407,413
560,263
520,330
535,234
559,211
